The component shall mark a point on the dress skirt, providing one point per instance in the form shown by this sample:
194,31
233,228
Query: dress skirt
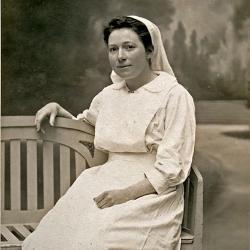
150,222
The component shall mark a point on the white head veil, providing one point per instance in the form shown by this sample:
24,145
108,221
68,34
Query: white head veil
159,60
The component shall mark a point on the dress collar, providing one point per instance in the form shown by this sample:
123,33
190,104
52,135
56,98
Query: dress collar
161,82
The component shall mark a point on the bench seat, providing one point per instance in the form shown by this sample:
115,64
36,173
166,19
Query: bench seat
12,235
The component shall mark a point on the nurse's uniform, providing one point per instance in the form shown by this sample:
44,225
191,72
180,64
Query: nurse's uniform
149,134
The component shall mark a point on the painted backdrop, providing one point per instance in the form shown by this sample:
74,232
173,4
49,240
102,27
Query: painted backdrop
54,50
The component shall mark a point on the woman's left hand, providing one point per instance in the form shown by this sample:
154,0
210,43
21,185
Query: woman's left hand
118,196
112,197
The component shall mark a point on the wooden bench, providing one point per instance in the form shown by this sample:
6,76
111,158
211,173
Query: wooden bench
38,168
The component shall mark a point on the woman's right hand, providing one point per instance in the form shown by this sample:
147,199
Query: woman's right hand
50,110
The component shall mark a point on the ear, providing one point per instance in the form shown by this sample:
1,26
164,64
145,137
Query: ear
149,52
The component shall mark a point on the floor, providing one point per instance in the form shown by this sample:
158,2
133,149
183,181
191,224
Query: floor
223,156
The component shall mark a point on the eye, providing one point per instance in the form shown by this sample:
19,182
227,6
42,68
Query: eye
112,49
129,46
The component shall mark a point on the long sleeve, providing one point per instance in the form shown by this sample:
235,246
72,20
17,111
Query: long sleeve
90,115
175,151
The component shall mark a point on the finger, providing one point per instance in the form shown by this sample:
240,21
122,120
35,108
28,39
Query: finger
38,120
100,197
108,204
52,119
103,203
38,124
39,127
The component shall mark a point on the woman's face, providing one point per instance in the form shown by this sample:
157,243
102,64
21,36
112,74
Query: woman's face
127,55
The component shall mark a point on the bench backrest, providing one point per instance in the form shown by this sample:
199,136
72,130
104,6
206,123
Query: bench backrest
38,168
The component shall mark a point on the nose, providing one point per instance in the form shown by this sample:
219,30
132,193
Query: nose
121,55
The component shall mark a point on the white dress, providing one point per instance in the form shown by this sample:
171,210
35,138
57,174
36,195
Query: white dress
148,134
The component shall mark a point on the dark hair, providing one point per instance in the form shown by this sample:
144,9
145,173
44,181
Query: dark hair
128,22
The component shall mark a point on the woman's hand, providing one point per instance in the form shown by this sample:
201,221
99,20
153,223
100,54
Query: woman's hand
112,197
118,196
50,110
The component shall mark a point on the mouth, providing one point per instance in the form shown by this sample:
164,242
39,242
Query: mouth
123,66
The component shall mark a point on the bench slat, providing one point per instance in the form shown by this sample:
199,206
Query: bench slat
80,164
15,166
48,173
22,230
11,238
186,238
33,225
64,169
32,174
3,174
186,202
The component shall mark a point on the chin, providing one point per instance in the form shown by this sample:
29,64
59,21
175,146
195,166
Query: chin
126,75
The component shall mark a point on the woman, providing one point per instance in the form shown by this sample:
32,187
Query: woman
145,120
